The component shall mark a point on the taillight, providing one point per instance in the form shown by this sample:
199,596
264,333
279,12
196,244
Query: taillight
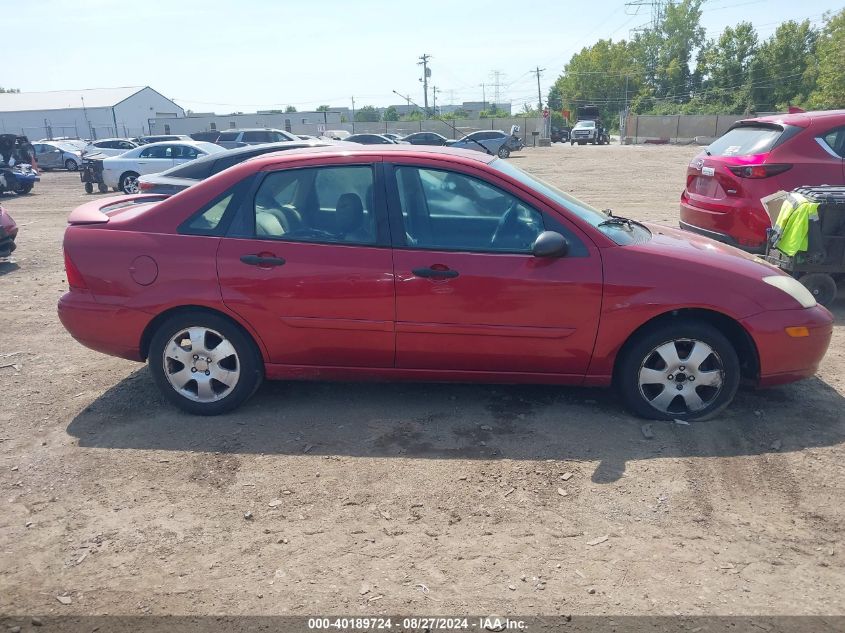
145,186
74,277
759,171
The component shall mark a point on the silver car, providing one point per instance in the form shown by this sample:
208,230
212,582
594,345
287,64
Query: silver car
231,139
489,141
57,155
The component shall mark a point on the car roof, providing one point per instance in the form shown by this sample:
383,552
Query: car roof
200,144
465,156
797,118
116,138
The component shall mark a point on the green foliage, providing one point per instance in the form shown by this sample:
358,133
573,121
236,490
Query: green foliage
672,69
414,115
493,113
367,114
391,114
323,108
830,84
290,109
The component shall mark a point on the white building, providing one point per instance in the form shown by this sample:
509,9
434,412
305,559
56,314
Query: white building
296,122
93,113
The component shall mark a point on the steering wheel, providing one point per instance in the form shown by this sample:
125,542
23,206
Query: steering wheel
507,224
307,233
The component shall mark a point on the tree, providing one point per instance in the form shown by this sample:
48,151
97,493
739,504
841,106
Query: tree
555,99
367,114
323,108
12,90
725,66
391,114
290,109
830,49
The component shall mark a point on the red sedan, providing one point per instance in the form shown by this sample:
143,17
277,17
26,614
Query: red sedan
756,158
411,263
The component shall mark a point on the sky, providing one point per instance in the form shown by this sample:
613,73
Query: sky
225,56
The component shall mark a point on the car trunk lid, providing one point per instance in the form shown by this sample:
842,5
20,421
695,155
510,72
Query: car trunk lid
102,210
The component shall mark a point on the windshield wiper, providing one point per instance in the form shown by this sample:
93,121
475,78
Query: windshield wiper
615,220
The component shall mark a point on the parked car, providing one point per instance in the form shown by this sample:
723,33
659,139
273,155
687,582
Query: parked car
121,172
8,233
181,177
57,155
210,137
753,159
408,263
108,147
307,137
241,138
396,138
496,142
425,138
370,139
336,135
560,134
158,138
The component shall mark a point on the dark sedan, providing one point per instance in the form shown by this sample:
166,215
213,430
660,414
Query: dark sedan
183,176
425,138
370,139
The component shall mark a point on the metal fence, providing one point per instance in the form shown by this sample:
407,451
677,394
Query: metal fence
457,129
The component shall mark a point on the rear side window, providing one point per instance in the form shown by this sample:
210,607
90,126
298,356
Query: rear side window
229,161
835,140
227,136
746,140
197,170
256,137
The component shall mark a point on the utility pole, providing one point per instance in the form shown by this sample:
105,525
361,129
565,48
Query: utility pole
426,74
537,72
353,114
483,96
434,99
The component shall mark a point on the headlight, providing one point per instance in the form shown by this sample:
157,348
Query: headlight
793,288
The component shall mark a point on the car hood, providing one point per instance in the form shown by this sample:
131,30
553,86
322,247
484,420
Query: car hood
702,250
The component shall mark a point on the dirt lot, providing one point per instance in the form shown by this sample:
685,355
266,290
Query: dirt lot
417,498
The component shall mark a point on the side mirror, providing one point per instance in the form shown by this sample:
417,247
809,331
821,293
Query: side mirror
550,244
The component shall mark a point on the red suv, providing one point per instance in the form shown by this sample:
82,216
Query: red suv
754,159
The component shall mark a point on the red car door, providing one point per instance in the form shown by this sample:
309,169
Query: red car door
309,267
470,295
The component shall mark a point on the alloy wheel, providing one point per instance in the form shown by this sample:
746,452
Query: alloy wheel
201,364
681,376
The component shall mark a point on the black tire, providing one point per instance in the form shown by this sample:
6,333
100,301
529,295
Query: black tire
247,360
822,285
504,152
71,165
640,355
102,187
571,143
127,181
25,189
89,187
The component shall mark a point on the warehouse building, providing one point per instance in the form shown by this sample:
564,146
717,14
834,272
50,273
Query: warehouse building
311,122
93,113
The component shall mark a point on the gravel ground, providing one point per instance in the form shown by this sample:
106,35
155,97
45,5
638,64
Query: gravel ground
403,498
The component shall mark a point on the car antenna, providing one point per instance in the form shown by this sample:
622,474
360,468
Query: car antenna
442,120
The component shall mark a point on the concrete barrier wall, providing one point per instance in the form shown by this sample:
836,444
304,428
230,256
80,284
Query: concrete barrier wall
678,128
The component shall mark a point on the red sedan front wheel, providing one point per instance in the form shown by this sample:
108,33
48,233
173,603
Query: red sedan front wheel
686,371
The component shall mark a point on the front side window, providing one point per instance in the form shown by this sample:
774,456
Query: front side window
325,204
446,210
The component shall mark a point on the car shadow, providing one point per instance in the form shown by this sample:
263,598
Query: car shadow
464,421
7,267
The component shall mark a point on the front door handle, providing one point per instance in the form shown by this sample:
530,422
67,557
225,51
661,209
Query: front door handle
262,260
436,273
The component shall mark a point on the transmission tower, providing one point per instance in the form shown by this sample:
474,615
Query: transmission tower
658,11
496,76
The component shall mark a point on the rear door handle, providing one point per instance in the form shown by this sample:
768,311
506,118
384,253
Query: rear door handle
262,260
435,272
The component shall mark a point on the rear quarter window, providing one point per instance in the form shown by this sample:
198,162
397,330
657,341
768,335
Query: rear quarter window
196,171
746,140
228,136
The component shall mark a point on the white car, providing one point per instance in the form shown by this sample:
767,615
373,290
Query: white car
121,172
108,147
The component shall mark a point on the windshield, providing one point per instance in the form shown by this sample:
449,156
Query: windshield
618,233
585,124
746,141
